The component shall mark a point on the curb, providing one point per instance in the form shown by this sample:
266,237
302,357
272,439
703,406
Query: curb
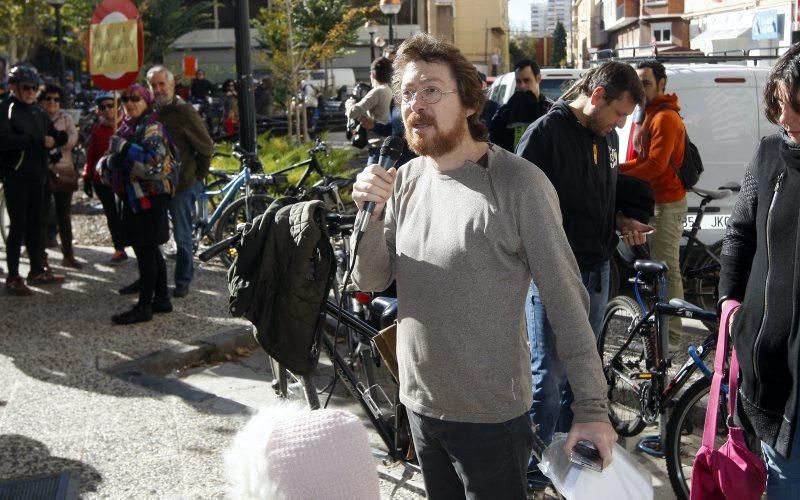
212,349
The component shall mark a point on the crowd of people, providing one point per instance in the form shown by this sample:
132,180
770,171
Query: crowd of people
143,161
522,204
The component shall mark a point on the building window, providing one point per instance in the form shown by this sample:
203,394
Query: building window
662,32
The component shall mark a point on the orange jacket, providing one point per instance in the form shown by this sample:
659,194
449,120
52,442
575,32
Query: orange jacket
663,143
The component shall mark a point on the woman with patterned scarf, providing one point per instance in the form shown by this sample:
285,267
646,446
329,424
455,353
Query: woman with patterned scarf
142,168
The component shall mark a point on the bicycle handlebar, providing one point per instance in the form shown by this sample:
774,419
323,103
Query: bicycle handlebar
217,248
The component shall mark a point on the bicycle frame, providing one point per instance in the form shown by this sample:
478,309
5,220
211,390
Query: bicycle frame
649,328
230,190
361,394
667,391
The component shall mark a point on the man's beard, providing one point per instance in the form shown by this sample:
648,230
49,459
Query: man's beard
438,144
162,100
594,125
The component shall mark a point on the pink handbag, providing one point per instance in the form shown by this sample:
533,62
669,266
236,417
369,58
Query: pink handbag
732,472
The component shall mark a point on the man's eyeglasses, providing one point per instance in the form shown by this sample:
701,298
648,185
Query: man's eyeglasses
28,88
103,107
131,98
430,95
50,98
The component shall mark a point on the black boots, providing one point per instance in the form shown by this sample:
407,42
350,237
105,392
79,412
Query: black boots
138,314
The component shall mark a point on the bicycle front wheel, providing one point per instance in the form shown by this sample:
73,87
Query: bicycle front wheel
235,214
622,314
685,434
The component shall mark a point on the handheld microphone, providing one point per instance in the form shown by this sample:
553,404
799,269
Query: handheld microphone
390,152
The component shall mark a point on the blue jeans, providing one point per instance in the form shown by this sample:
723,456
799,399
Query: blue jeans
783,476
181,208
468,460
552,397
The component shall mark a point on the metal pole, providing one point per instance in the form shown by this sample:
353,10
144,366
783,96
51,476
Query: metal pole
62,72
371,47
247,115
391,31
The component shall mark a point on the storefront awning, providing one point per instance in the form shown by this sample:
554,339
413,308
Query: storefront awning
721,34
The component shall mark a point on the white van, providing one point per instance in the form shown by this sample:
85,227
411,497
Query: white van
723,110
554,82
337,78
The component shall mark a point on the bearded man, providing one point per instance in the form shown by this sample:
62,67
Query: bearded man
462,224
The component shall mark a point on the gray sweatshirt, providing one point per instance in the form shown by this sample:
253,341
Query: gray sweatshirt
463,246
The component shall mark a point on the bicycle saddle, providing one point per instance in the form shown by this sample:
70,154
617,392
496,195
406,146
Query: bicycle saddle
696,311
710,193
385,308
650,267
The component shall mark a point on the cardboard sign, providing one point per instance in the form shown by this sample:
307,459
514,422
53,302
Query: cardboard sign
114,47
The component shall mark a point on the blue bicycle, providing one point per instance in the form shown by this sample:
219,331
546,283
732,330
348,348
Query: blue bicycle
241,199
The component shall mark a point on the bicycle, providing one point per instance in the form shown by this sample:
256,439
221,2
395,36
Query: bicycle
632,345
233,207
227,189
699,262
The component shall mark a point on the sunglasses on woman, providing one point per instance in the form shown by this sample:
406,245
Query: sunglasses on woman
50,98
103,107
131,98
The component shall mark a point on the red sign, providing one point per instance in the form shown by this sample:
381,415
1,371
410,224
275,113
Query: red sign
189,66
117,11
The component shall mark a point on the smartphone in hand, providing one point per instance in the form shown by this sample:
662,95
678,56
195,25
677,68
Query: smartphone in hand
586,455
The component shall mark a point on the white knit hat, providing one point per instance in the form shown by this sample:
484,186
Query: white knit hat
292,453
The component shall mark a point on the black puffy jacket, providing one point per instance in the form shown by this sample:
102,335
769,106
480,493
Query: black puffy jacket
23,128
761,268
281,279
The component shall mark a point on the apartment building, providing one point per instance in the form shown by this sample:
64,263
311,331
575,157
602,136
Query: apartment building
719,26
478,27
545,16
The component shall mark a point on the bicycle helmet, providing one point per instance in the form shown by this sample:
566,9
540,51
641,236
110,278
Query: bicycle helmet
103,96
23,73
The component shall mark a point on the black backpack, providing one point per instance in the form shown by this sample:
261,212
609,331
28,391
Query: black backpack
691,170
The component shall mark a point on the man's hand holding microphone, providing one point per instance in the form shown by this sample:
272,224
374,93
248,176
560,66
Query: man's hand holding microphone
374,184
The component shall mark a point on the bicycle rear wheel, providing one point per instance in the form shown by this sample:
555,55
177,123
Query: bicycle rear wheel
235,214
701,286
685,434
624,410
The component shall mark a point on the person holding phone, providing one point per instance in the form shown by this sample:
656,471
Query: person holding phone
659,144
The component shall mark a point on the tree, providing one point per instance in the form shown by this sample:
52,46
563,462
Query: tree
558,58
521,46
302,34
165,21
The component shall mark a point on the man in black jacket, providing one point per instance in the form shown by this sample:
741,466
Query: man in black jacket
576,146
26,137
525,107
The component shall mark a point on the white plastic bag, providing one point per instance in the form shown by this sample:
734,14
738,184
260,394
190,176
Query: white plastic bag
622,480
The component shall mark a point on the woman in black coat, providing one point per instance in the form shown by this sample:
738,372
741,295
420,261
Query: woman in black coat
761,268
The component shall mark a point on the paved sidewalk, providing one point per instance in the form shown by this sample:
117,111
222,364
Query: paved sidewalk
59,409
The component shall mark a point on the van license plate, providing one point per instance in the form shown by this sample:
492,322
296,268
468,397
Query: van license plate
710,221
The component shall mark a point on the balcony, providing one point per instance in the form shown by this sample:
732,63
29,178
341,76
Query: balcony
620,13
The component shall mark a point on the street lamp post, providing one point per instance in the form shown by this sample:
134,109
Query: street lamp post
57,4
390,8
370,27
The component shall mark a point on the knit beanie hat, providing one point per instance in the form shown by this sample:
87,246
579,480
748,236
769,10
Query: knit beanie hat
293,453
